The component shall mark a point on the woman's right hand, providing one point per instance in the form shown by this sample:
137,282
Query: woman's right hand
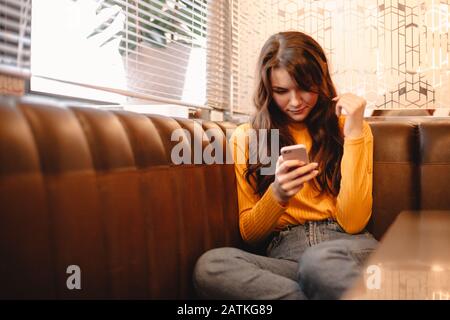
290,175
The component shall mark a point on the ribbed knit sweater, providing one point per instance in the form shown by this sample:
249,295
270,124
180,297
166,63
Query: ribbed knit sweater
260,216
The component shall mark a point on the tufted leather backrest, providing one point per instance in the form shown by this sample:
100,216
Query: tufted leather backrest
435,165
411,167
395,172
98,189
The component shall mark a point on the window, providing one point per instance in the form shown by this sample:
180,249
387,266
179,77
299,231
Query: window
14,45
121,51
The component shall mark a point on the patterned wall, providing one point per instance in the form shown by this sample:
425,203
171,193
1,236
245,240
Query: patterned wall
393,52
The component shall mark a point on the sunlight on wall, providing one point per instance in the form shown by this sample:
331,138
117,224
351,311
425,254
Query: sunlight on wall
395,52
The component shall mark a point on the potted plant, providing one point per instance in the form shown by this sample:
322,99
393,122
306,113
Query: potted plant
159,37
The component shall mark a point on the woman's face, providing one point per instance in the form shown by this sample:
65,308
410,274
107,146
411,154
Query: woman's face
291,100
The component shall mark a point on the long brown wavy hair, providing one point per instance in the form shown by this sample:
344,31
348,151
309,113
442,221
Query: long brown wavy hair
305,61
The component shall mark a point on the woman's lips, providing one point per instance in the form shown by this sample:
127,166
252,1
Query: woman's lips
297,111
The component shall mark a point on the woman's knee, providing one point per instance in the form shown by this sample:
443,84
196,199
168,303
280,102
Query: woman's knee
210,265
313,263
325,271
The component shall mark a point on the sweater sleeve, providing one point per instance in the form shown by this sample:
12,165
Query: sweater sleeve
354,202
258,216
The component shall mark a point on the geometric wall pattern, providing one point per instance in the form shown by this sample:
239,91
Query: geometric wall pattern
395,53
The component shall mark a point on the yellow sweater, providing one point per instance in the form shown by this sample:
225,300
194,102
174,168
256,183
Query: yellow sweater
260,216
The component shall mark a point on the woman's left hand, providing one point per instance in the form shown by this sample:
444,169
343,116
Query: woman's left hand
354,107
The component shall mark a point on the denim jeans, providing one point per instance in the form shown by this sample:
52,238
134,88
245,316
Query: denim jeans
317,260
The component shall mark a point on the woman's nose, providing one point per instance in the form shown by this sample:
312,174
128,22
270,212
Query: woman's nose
295,99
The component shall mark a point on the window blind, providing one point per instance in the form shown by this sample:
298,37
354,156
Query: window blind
226,52
155,48
219,85
14,45
249,31
232,55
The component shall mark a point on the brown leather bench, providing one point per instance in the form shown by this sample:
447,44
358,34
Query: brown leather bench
98,189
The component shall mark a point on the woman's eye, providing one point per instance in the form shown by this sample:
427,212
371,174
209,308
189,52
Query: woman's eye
280,91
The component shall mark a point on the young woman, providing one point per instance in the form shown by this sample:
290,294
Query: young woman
315,214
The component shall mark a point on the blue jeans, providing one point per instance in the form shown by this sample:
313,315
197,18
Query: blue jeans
317,260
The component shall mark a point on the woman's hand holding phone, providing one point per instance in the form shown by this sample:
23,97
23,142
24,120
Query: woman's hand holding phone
290,175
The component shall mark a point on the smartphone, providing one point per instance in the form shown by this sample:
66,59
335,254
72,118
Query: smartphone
295,152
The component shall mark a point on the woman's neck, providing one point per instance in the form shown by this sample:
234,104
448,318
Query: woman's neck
296,125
